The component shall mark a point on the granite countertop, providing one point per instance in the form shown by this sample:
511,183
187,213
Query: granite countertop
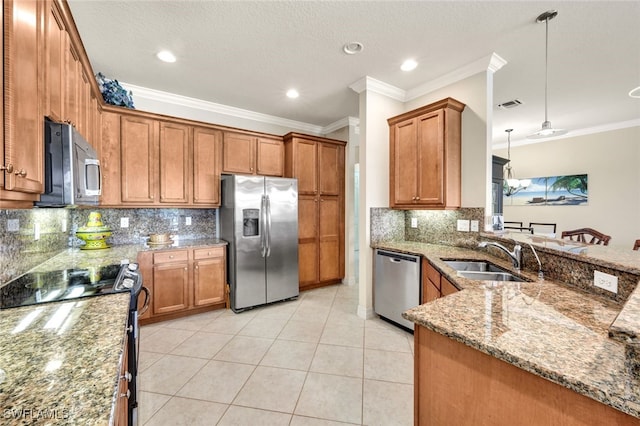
60,362
547,328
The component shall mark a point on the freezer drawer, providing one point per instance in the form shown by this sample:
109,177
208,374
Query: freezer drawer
397,285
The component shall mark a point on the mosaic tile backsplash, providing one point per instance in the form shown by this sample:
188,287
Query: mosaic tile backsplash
29,237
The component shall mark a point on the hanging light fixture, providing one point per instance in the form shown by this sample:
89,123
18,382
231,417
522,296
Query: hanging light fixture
546,131
511,184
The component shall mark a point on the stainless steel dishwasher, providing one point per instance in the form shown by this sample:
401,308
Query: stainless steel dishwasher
396,285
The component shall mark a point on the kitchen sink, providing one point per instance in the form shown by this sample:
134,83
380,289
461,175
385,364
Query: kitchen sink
489,276
473,265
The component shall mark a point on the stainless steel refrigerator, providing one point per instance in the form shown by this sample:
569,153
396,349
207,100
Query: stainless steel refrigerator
259,219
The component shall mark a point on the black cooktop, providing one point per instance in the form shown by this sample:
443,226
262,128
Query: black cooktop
41,287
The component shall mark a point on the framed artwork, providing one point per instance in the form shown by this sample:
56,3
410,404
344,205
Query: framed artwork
568,190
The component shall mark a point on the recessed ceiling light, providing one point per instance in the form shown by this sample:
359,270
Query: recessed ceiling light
409,65
353,47
166,56
292,93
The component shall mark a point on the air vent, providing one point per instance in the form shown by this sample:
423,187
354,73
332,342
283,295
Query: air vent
510,104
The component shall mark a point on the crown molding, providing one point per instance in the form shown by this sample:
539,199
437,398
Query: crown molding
609,127
372,85
491,63
343,122
173,99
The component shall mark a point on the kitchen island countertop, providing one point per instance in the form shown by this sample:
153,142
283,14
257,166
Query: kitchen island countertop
546,328
60,362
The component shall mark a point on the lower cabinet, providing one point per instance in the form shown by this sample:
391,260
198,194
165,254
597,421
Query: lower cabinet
122,401
434,285
183,281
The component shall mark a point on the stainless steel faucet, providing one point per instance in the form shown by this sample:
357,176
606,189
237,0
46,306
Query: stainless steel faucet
515,255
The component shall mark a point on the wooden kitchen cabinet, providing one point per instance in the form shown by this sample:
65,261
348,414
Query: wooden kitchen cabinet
434,285
425,157
122,401
318,164
253,155
183,281
206,166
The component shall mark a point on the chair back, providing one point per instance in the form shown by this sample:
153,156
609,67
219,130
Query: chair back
587,235
636,246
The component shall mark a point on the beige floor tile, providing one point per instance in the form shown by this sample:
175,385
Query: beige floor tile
338,317
263,327
289,354
202,345
244,416
387,404
338,360
302,331
229,323
389,366
244,349
217,381
312,421
343,335
148,404
270,388
169,374
194,322
148,330
281,310
387,339
312,311
147,359
165,341
331,397
188,412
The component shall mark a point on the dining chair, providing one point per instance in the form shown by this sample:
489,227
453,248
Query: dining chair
636,245
543,228
582,235
512,224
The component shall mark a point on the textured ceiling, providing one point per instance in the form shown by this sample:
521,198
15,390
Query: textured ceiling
246,54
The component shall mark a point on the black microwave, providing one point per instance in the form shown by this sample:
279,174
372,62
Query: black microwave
72,169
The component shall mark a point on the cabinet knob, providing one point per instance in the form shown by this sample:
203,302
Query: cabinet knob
196,266
8,168
185,269
251,168
418,198
21,173
170,256
208,253
126,395
126,376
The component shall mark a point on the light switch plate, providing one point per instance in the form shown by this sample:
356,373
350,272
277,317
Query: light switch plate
187,220
605,281
124,222
13,225
36,231
463,225
475,226
414,222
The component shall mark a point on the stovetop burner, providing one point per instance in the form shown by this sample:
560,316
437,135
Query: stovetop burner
42,287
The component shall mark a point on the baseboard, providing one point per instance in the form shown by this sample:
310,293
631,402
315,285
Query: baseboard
366,313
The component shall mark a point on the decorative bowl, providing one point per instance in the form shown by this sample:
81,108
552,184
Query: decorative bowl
94,237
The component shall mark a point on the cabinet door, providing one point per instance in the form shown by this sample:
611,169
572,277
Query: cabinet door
209,279
270,157
170,287
55,47
23,90
446,288
330,169
307,239
174,163
138,152
238,153
206,166
431,158
329,238
404,174
306,166
72,82
109,153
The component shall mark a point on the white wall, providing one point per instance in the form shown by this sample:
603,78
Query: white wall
612,161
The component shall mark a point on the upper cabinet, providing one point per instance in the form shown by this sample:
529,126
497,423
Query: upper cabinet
425,157
153,161
250,154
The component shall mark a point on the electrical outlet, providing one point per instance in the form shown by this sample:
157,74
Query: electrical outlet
187,220
605,281
475,226
124,222
64,225
36,231
463,225
13,225
414,222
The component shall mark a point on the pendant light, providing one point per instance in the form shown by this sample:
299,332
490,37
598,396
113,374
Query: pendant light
511,184
546,131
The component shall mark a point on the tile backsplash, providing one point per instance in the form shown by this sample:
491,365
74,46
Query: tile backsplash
29,237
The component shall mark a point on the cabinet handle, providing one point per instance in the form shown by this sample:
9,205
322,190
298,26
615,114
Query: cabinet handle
126,376
21,173
8,168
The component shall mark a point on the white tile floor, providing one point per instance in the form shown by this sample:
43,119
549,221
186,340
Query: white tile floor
310,361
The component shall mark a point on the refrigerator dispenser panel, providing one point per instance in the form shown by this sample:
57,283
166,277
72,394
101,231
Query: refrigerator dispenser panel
250,222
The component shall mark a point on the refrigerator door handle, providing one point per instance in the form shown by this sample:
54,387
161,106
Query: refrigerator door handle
263,226
268,237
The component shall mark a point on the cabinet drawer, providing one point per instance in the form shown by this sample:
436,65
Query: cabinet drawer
170,256
205,253
433,275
